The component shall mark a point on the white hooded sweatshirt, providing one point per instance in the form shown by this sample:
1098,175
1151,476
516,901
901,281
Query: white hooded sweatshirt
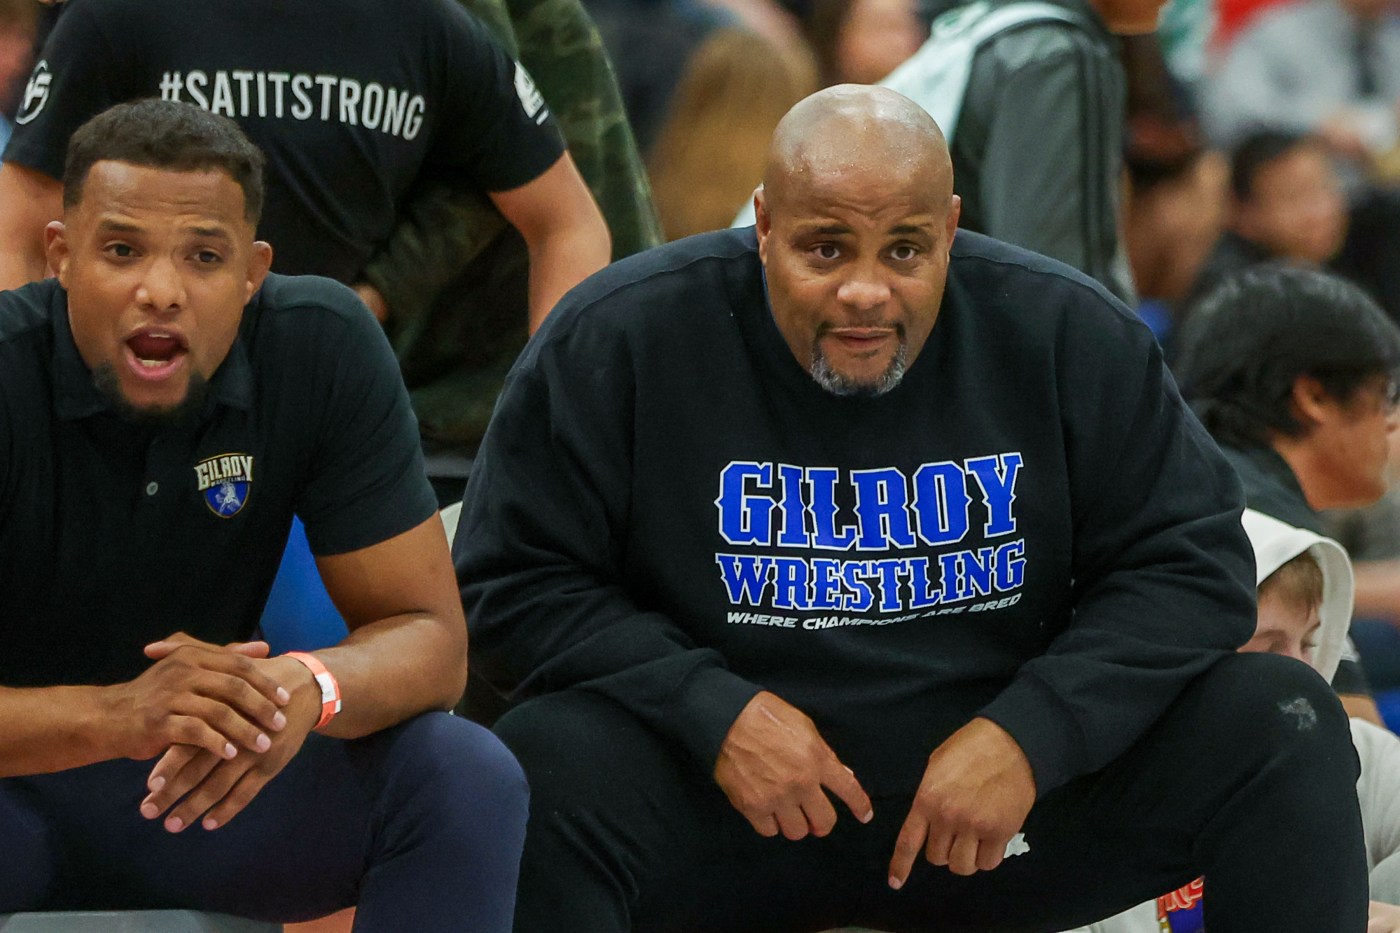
1378,788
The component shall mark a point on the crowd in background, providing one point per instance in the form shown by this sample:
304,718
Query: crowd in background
1253,131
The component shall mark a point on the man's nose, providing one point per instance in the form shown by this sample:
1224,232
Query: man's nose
863,292
162,288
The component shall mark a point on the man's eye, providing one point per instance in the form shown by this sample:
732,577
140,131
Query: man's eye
903,253
207,256
827,251
121,250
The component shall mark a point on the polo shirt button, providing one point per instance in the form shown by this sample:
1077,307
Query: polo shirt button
152,488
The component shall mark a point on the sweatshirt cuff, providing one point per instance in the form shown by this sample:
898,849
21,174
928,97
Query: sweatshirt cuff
1035,716
705,708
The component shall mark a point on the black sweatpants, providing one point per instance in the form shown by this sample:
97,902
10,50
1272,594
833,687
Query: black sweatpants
1249,779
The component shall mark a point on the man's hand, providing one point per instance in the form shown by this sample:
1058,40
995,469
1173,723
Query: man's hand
975,795
773,765
1384,918
198,694
192,783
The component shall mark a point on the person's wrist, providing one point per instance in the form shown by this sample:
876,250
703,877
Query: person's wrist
103,722
326,686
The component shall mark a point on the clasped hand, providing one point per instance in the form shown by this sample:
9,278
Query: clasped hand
225,719
976,792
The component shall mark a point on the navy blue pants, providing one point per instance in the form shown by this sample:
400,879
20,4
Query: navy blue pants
1249,779
420,825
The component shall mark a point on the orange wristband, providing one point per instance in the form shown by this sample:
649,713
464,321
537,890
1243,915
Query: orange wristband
330,688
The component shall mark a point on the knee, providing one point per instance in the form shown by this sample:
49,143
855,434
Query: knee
459,765
1276,706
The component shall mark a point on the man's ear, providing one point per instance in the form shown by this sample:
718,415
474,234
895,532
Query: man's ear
56,250
954,212
259,263
762,221
1312,403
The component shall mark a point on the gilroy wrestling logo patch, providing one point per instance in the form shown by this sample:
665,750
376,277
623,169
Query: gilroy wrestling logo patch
225,480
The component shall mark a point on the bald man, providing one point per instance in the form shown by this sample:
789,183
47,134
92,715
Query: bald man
847,572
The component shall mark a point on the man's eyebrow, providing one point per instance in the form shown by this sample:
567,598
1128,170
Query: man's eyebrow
824,230
112,225
909,230
215,232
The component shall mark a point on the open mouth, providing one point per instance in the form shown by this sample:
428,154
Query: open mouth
155,353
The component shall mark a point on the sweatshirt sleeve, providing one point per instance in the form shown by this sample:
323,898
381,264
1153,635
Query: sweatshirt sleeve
1163,574
540,550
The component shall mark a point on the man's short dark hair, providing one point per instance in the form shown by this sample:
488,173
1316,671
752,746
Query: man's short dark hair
1258,331
1255,152
165,135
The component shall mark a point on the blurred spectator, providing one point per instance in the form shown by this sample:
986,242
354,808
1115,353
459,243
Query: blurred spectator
649,42
1290,370
1372,537
1285,202
1329,67
1176,192
1175,214
736,88
1183,35
862,41
18,21
1038,143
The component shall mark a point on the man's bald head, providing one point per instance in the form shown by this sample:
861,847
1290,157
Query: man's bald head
855,227
854,128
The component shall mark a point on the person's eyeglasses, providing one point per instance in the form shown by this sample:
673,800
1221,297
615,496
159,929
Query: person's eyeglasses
1391,395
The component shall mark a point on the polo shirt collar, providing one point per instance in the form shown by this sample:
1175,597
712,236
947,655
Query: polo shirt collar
77,396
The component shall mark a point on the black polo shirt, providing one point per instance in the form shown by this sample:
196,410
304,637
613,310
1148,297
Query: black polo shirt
114,535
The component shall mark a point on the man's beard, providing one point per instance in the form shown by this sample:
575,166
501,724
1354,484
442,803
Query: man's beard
837,384
105,378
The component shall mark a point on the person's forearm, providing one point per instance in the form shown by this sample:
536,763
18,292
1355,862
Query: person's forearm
21,265
394,669
31,200
562,260
47,729
1377,590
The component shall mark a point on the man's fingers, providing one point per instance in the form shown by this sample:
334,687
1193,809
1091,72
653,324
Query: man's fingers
237,692
170,764
841,781
224,720
907,848
939,848
990,854
250,649
209,792
166,789
764,825
181,729
819,813
962,856
236,799
263,695
792,821
168,645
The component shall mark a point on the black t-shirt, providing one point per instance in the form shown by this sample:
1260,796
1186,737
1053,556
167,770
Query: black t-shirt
350,101
114,536
1031,526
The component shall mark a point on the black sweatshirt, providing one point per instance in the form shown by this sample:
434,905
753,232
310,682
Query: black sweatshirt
1031,527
